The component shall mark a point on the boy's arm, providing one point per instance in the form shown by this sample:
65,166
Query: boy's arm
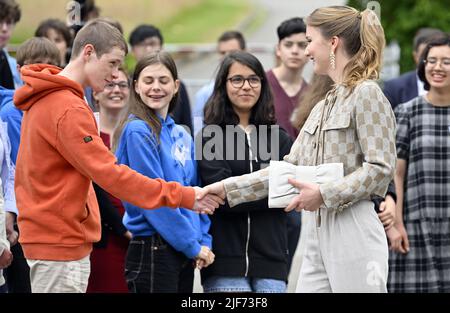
79,143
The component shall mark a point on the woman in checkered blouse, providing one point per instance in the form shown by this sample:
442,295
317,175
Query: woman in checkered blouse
345,244
421,263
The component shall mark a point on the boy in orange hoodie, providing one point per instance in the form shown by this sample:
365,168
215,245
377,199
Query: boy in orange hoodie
61,154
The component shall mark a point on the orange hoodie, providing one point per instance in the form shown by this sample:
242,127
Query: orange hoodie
59,156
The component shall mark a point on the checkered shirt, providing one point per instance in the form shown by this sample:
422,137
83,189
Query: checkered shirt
357,130
423,140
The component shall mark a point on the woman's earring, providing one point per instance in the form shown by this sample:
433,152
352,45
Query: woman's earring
332,60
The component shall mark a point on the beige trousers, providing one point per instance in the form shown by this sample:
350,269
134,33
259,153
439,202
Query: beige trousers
347,253
59,276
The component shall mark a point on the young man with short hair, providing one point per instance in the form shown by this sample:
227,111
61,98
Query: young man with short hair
286,79
61,153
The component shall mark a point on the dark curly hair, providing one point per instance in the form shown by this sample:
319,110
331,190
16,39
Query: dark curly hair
9,11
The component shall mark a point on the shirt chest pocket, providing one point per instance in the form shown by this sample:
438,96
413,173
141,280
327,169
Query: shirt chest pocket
311,126
339,136
338,122
304,149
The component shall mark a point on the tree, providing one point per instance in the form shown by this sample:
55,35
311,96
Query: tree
402,18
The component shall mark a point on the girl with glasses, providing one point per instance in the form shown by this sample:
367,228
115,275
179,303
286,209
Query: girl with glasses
249,240
421,260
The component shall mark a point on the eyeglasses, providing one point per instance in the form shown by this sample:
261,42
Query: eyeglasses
238,81
112,85
445,62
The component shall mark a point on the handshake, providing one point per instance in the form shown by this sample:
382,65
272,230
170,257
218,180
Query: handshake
208,198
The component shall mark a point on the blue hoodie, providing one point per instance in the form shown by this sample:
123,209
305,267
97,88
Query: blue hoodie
173,160
12,116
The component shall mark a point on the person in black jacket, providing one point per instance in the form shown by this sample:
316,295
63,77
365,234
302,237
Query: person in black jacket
240,136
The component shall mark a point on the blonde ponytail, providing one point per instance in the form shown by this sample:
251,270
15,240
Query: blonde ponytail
363,39
366,63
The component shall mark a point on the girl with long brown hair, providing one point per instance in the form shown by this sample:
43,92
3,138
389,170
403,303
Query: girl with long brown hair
166,244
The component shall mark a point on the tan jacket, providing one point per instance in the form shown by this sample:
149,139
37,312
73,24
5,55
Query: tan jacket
358,131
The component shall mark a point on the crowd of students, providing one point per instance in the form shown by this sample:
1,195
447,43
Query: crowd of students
108,201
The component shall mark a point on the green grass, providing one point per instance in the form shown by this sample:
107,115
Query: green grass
201,23
130,13
205,21
179,20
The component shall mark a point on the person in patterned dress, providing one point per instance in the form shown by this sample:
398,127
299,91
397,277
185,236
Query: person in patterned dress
421,260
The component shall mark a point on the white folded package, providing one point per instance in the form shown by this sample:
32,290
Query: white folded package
281,192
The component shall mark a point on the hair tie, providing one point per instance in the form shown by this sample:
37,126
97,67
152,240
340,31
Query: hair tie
359,15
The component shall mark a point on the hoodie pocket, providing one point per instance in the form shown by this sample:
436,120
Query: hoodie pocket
84,221
90,222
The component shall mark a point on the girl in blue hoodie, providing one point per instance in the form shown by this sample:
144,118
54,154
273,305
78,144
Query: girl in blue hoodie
166,243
